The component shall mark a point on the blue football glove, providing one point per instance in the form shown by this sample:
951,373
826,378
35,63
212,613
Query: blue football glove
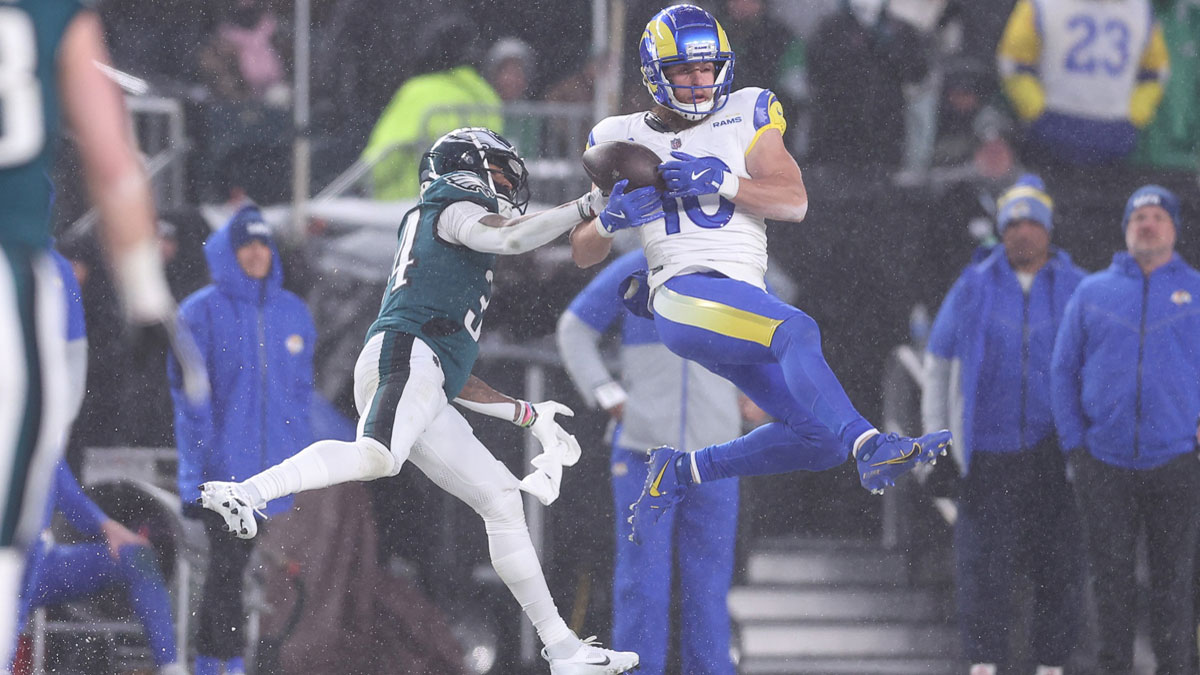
690,176
629,209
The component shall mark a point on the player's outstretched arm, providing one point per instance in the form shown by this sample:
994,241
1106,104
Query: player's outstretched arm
494,233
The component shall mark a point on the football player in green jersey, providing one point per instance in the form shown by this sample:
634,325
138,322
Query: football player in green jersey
50,51
418,356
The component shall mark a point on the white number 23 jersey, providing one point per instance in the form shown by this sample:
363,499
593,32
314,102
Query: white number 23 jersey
707,232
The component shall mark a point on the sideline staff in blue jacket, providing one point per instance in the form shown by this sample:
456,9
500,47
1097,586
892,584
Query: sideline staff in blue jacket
256,340
1126,396
996,332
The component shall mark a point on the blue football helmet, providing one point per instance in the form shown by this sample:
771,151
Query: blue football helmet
480,151
686,34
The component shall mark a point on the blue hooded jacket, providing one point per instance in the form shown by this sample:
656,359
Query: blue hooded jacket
257,340
1001,340
1126,368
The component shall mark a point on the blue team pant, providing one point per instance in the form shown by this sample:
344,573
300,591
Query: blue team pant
772,352
698,536
71,572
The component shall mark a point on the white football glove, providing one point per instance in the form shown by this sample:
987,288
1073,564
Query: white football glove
559,449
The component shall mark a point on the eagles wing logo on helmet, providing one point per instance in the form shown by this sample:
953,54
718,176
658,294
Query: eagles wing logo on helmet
484,153
686,34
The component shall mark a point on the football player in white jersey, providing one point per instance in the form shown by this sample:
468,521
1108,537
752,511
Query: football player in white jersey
727,171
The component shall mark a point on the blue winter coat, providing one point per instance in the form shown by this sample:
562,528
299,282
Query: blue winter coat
1001,341
1126,368
257,340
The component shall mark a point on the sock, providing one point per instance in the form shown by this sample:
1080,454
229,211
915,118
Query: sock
235,665
320,465
207,665
516,563
683,469
863,438
1049,670
770,449
564,648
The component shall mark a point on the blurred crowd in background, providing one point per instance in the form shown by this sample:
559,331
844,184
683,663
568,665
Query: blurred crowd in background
908,118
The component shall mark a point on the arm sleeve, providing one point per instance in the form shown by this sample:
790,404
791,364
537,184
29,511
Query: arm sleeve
463,226
194,433
1066,387
1018,56
81,512
943,348
588,317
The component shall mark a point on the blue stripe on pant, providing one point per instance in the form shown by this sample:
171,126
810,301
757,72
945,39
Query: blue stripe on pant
772,352
698,540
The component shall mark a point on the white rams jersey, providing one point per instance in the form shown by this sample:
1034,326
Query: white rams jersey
1091,53
707,233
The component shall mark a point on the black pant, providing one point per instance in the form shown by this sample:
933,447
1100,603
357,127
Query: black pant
221,619
1116,504
1017,516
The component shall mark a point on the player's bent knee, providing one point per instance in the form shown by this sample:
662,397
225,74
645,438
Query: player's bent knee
502,511
799,332
377,460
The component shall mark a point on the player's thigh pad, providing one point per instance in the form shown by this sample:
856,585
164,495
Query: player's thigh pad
457,462
714,319
398,390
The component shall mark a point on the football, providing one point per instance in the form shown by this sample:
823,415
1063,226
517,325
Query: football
611,161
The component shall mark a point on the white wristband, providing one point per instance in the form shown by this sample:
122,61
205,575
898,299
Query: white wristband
610,395
142,285
603,232
588,203
729,185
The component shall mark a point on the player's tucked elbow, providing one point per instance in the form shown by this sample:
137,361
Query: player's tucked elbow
794,212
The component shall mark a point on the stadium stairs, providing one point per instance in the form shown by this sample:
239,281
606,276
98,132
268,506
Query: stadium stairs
817,606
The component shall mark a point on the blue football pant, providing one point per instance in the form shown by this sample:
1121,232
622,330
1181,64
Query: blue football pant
75,571
698,536
772,352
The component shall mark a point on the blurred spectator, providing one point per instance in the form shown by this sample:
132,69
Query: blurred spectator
988,380
659,399
769,56
114,557
509,68
862,125
256,340
972,135
1126,398
449,94
1083,76
243,58
1172,140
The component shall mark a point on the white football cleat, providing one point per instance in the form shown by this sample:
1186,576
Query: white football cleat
592,659
230,501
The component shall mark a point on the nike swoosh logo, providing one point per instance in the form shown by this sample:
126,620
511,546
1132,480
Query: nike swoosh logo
605,662
902,458
658,479
697,175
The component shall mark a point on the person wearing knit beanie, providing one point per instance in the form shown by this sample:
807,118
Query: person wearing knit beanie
1151,225
1024,220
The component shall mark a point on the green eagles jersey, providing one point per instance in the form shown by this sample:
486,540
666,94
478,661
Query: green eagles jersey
30,33
439,291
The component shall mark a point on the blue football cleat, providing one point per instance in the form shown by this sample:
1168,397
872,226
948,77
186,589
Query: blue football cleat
660,492
885,457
